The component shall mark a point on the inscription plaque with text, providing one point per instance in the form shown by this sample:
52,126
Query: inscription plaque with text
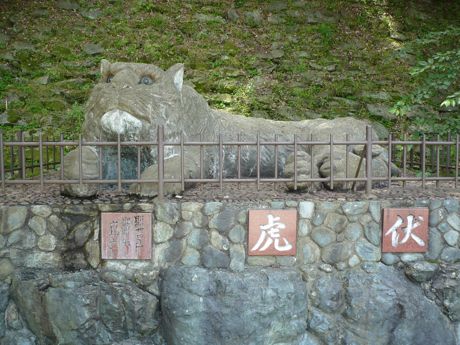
126,236
405,230
272,232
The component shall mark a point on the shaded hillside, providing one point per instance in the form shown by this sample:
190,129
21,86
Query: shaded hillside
285,60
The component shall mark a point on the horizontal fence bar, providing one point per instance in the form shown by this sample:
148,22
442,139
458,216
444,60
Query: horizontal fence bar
229,180
214,143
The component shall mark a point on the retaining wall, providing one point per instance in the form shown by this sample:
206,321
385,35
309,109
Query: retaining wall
334,239
335,235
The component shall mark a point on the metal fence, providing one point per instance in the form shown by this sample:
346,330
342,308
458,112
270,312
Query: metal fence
422,160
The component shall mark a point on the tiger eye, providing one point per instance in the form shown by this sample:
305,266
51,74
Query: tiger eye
146,80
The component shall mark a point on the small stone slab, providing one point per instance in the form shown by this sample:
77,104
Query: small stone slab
272,232
126,236
93,49
405,230
67,5
92,13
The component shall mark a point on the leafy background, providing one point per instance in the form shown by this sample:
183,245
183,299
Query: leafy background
286,60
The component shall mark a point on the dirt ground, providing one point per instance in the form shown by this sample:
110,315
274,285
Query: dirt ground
231,192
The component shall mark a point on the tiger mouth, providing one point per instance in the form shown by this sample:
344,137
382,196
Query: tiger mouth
119,122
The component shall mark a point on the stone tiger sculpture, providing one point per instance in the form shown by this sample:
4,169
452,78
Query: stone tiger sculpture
132,99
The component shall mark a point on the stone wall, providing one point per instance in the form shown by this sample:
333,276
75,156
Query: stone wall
338,248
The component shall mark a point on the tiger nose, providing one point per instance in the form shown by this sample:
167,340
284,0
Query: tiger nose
125,78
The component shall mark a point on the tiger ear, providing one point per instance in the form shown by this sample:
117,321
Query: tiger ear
177,73
105,67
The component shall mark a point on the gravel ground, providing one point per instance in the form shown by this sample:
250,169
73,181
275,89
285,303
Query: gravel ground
33,194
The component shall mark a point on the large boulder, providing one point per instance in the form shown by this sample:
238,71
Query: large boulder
172,171
81,309
16,329
89,171
381,307
4,299
266,306
446,287
302,168
346,163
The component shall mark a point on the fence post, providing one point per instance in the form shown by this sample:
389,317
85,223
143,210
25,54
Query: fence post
2,162
423,157
138,161
295,162
80,159
40,153
390,154
238,158
54,152
331,160
12,158
276,161
457,147
449,139
20,136
32,147
61,157
258,161
119,161
182,163
312,158
404,162
368,159
160,157
221,162
47,153
201,158
438,168
347,139
101,159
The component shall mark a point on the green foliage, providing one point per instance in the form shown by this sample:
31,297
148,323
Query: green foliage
327,32
437,75
75,115
5,81
145,6
240,3
437,80
452,100
157,21
229,62
433,125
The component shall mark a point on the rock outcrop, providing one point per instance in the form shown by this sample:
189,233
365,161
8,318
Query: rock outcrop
379,307
200,306
80,308
201,287
374,304
89,171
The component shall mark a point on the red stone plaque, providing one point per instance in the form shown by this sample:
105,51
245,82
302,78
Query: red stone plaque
272,232
405,230
126,236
